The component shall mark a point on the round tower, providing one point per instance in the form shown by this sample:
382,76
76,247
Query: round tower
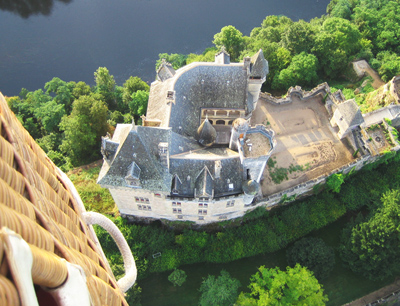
250,190
206,134
239,129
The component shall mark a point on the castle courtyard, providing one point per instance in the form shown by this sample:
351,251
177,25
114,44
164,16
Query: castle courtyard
307,145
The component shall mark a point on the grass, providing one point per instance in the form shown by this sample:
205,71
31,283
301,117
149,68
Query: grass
94,197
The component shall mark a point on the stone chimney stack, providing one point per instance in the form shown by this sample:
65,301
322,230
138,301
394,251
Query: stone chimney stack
222,57
163,152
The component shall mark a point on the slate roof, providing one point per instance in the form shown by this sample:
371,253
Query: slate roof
176,99
139,145
350,114
205,85
259,65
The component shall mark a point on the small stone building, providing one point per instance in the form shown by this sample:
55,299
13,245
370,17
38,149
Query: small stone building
347,117
195,157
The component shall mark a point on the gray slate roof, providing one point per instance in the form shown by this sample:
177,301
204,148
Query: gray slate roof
350,114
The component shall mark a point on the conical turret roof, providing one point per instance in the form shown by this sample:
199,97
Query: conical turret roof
206,134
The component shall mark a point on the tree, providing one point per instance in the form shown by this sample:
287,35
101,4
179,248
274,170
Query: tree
335,44
335,181
298,37
221,291
63,92
313,254
295,286
207,56
83,129
138,103
132,85
301,71
177,277
175,59
230,38
372,247
105,85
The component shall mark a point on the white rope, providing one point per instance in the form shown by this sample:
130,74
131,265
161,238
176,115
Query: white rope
129,262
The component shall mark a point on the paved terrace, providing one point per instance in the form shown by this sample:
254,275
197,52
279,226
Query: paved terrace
304,137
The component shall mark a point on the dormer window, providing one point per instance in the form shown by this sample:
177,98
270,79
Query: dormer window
170,94
132,176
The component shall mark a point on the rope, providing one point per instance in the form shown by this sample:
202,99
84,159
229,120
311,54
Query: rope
129,263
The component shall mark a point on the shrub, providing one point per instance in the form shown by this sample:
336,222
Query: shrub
314,254
178,277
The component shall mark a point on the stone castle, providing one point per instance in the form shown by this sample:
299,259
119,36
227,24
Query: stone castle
201,152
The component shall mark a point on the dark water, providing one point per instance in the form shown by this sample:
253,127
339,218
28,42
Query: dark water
70,39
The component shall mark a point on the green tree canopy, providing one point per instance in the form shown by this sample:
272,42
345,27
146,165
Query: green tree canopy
301,71
105,85
177,277
335,181
83,129
335,44
175,59
232,39
221,291
299,37
313,254
295,286
372,248
132,85
138,103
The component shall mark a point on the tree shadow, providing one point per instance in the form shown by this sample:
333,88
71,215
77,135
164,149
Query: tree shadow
27,8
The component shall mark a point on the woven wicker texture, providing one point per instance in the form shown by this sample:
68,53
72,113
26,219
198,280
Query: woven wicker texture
36,204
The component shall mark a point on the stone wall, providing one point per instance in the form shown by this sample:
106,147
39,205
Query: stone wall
395,88
298,92
307,187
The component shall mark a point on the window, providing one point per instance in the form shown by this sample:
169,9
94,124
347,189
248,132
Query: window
180,216
205,205
157,195
202,211
139,207
223,217
201,205
137,199
177,210
230,203
148,207
147,200
173,203
201,218
132,176
141,200
230,186
178,203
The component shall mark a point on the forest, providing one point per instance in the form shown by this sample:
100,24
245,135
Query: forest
67,119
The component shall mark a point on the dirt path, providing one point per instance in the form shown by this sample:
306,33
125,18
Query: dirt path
363,66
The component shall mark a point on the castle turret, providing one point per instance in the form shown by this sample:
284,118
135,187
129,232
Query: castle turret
250,190
239,129
206,134
258,74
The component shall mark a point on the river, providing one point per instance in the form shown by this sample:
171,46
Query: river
70,39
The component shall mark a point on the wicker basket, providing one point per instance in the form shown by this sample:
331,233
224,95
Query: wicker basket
37,203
